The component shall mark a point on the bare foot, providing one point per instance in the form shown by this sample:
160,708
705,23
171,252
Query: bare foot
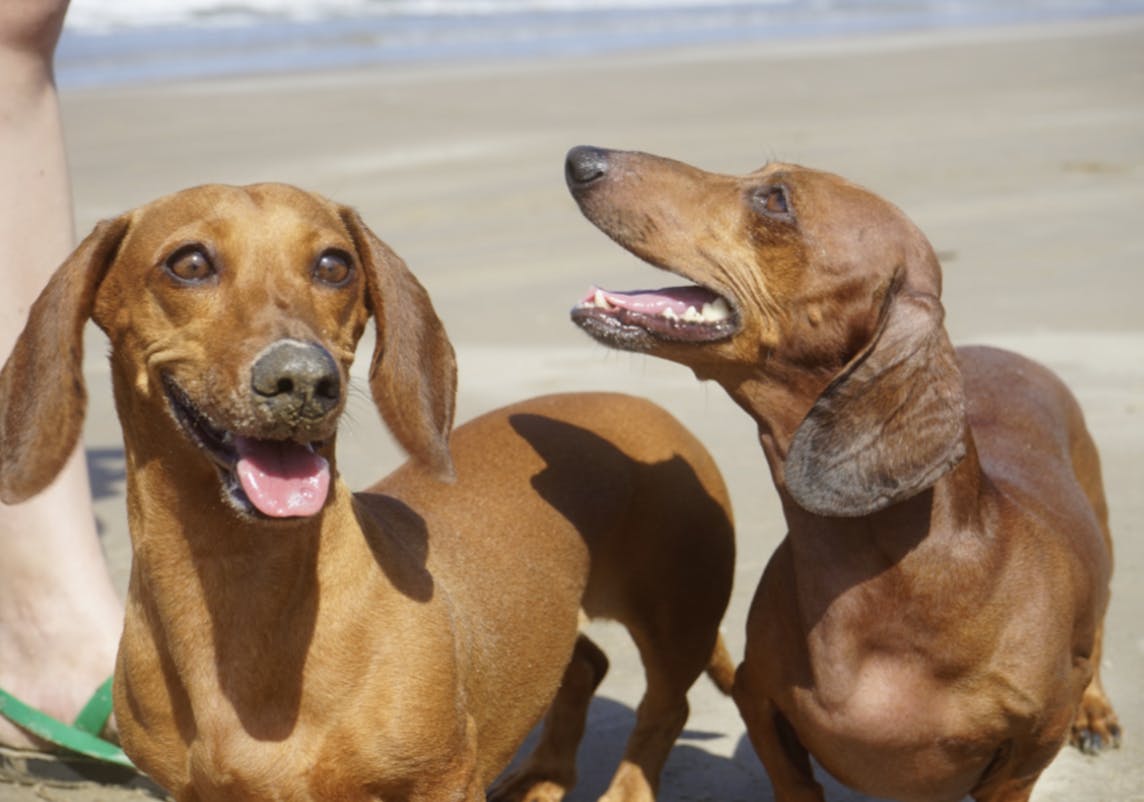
60,617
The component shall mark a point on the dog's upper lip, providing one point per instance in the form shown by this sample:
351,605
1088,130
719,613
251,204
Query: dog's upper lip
689,304
216,441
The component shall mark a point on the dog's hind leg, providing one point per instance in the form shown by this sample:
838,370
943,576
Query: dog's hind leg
550,771
1096,726
660,716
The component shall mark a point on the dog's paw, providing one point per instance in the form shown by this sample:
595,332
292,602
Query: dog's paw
1096,727
526,788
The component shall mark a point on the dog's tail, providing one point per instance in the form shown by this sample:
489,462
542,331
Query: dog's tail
721,668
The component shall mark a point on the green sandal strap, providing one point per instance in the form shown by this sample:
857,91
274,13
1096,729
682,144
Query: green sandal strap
93,718
72,738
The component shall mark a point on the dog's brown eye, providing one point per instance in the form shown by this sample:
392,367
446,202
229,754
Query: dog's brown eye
773,201
333,268
190,265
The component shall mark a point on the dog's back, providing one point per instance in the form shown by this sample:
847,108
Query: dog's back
1024,420
599,500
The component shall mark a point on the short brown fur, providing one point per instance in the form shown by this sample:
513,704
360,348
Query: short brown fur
931,625
401,643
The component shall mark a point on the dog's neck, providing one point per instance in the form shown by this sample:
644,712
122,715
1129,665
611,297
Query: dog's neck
833,555
229,601
199,566
777,404
891,588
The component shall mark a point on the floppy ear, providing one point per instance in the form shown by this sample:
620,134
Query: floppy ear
42,393
890,425
413,373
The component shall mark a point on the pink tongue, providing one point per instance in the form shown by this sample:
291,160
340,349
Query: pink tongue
282,479
656,302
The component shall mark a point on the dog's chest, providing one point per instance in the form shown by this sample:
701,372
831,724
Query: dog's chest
891,730
305,767
230,766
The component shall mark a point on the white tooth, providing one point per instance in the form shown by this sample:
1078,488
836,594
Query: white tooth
669,313
716,310
692,315
599,300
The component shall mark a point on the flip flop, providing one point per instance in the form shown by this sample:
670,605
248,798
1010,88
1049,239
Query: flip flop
87,759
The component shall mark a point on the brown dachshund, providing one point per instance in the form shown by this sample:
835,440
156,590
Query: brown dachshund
931,625
286,639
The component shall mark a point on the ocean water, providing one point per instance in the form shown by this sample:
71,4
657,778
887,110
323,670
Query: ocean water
112,42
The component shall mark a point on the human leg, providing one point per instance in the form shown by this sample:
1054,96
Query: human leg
60,617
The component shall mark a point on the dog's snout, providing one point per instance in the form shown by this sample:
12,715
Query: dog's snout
585,164
298,377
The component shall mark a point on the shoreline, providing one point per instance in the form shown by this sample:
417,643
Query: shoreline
809,47
130,56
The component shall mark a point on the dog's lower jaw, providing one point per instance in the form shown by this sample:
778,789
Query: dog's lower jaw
612,331
634,331
634,321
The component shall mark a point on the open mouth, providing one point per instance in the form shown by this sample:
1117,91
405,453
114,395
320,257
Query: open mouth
635,320
270,478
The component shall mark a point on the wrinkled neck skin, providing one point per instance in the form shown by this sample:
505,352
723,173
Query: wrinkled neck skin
909,556
777,406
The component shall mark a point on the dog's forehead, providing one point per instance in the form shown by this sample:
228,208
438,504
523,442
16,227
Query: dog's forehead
835,199
212,211
810,179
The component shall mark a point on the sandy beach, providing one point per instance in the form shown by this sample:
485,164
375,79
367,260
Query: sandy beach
1020,152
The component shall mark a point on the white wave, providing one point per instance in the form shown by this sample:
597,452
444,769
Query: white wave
107,15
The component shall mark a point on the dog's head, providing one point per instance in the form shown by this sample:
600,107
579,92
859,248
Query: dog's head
800,279
233,315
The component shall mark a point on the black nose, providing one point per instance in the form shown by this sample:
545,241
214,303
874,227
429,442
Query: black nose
585,164
297,379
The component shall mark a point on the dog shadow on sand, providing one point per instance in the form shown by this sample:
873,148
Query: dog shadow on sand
692,774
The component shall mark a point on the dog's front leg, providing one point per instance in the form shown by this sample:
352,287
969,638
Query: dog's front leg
784,757
461,781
